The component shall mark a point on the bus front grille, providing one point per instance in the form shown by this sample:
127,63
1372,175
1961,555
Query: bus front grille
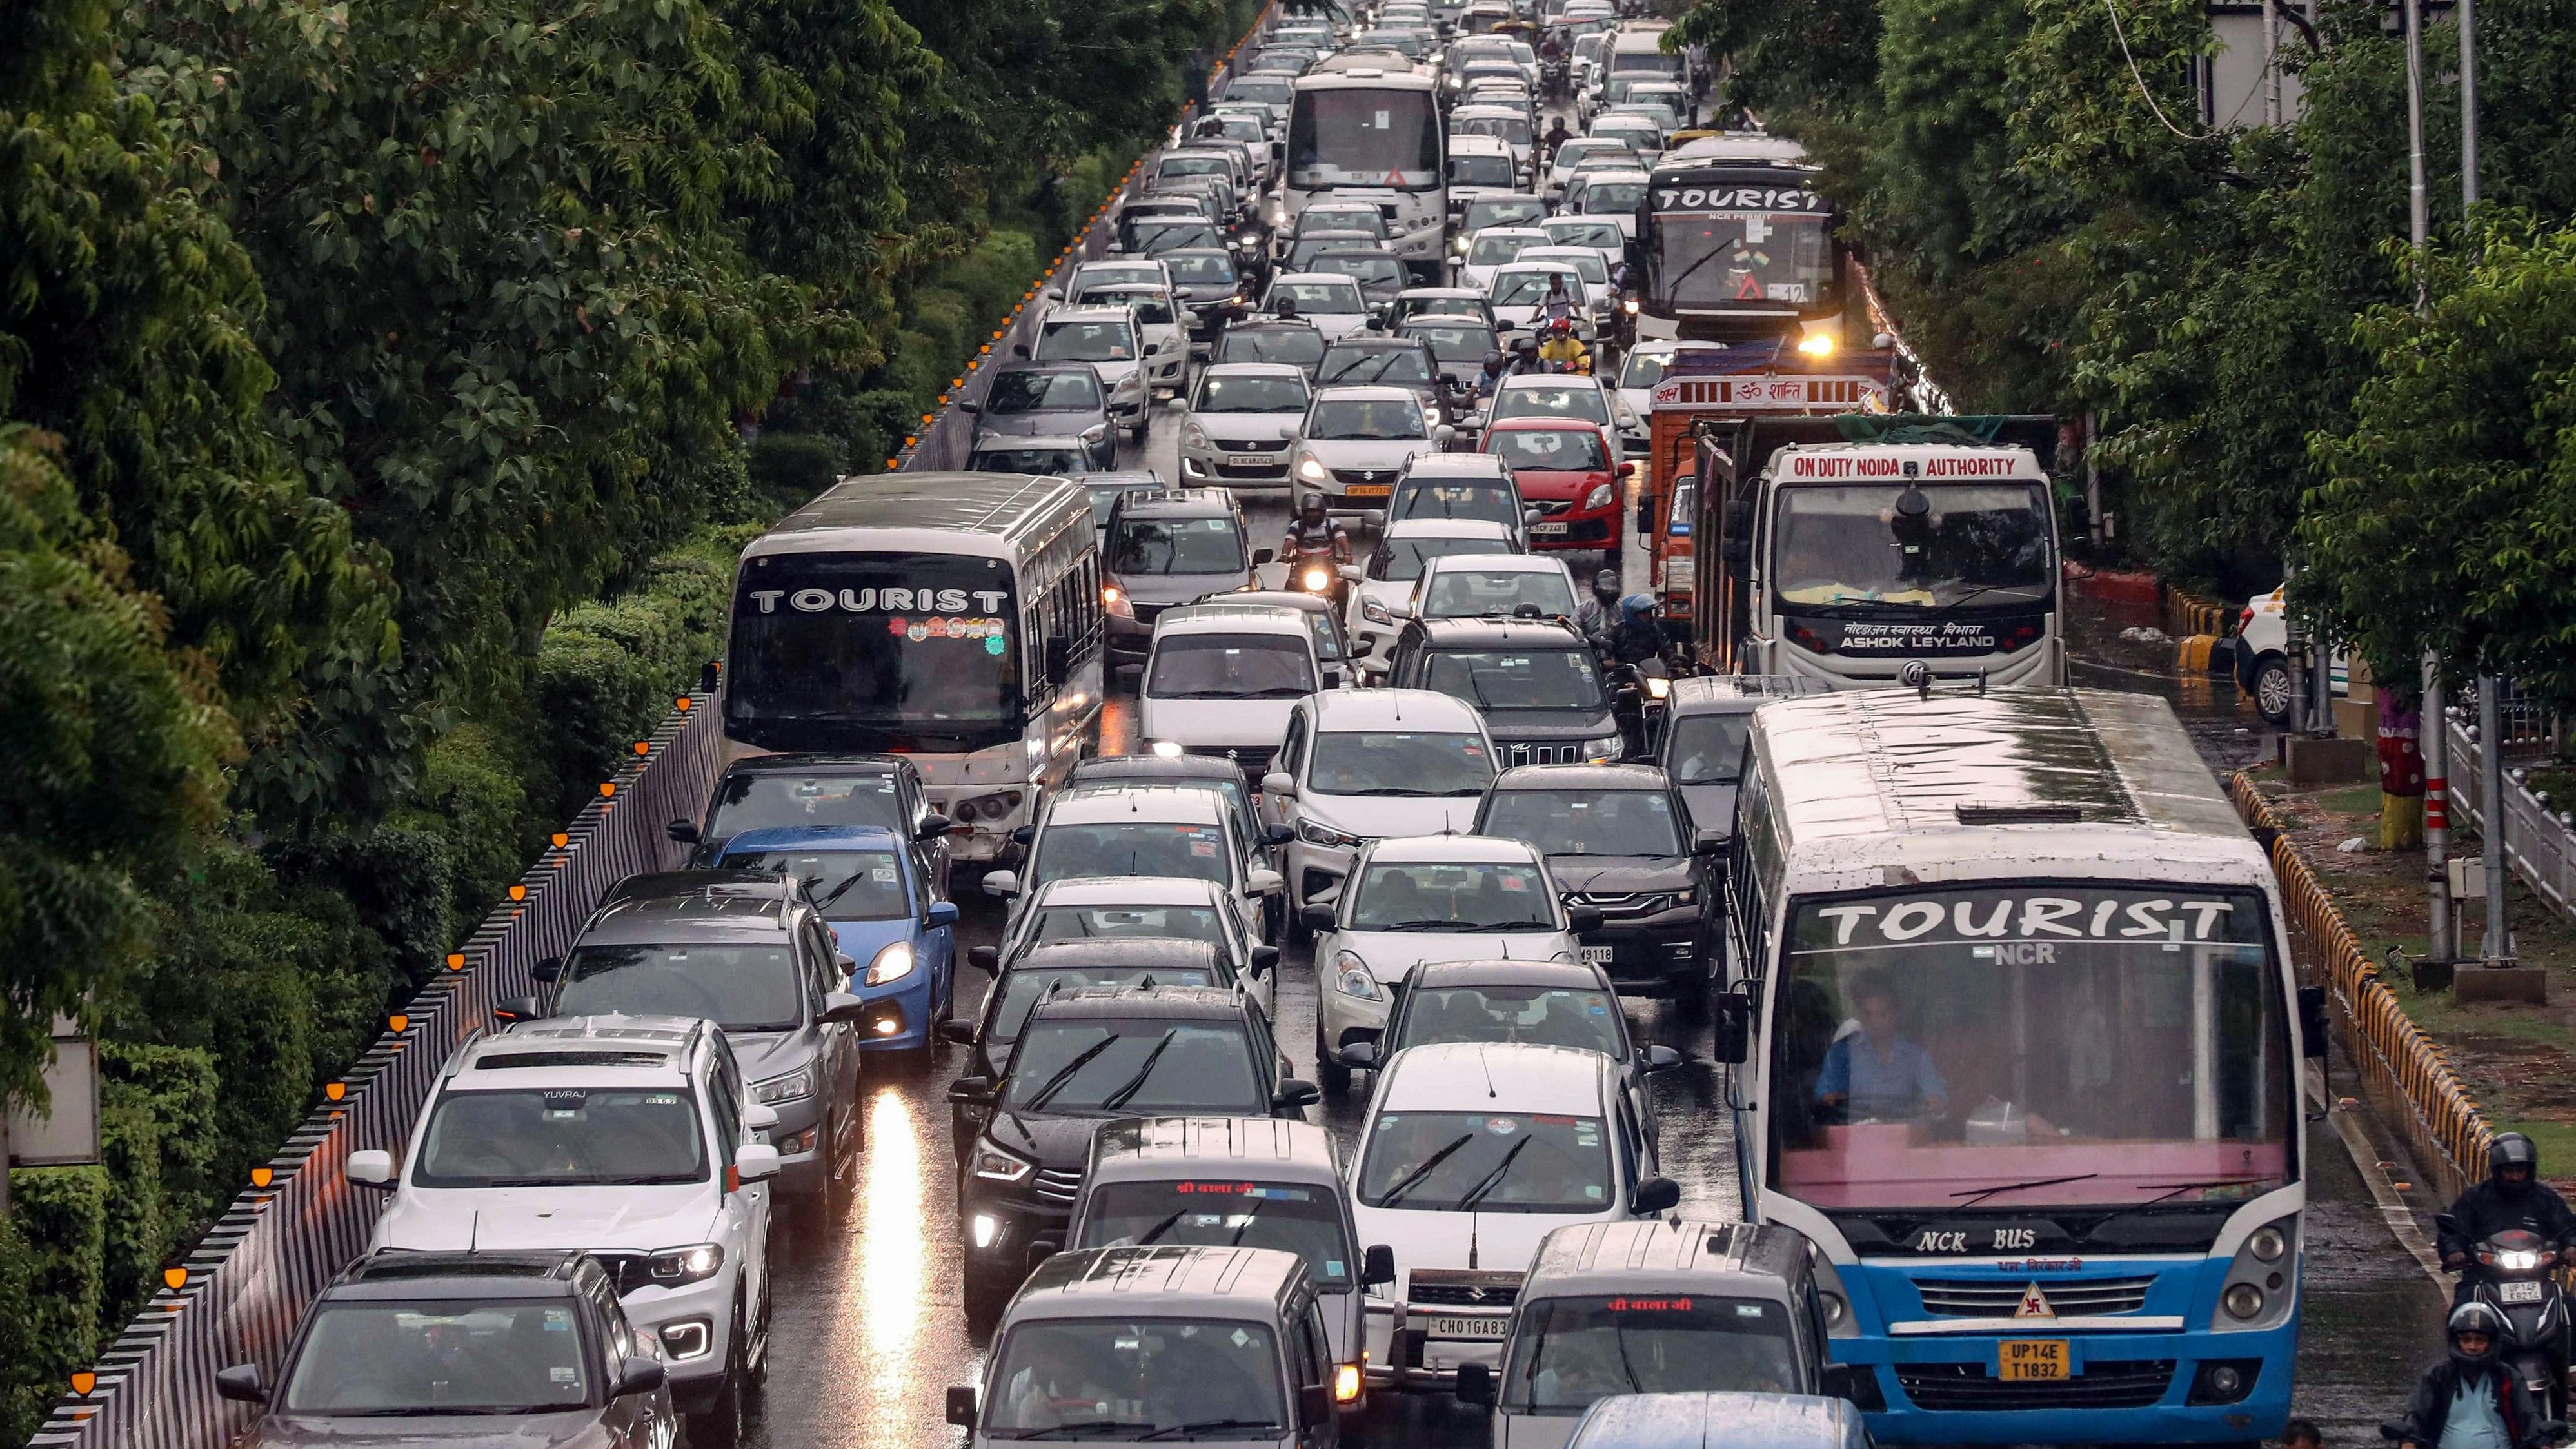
1986,1298
2111,1384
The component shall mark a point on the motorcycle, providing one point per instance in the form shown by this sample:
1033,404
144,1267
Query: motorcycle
2517,1277
1317,572
1640,692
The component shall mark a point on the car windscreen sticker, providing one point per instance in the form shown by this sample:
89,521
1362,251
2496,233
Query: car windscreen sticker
565,1102
1512,882
1591,1189
558,1320
563,1373
1748,1310
1332,1267
1502,1126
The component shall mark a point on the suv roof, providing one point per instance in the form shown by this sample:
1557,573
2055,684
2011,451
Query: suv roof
1499,633
1580,777
484,1274
1145,953
1347,710
1102,770
591,1051
742,905
1128,1003
1452,850
1133,890
1442,975
1156,803
1666,1253
1194,1281
1134,1147
1422,527
815,764
1456,465
1232,619
1180,503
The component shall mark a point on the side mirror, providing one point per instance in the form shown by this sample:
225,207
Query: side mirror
370,1169
1734,1031
987,959
1053,294
1024,834
1377,1265
1019,349
242,1383
1661,1058
961,1397
1059,660
971,1092
1276,834
1582,920
1532,515
968,405
1001,884
846,964
1265,959
1315,1405
1177,405
1736,550
1708,845
957,1033
510,1010
640,1376
1332,679
1627,470
1360,1056
755,1161
1373,517
841,1006
1264,882
2312,1021
1316,917
1654,1195
1279,782
1739,516
1645,513
1475,1383
1262,556
940,913
1294,1092
1351,573
1846,1381
933,827
759,1116
548,968
1442,434
683,831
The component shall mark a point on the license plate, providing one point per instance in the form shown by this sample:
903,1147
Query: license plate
2518,1292
1547,528
1368,490
1446,1327
1596,955
2025,1359
1247,460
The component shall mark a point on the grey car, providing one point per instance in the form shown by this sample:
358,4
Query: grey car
1047,400
1060,455
1706,718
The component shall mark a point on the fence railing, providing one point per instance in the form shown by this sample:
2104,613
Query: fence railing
2539,844
2408,1079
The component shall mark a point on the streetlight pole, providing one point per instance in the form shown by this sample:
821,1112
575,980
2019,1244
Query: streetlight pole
2433,729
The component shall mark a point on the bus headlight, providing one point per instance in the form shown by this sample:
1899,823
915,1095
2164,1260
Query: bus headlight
2268,1243
2243,1300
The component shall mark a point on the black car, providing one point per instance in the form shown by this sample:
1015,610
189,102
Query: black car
1389,361
1296,344
1617,839
1208,281
1048,399
1534,680
1309,245
462,1348
1547,1003
769,792
1087,1055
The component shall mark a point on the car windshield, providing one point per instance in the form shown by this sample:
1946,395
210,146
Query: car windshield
1514,129
1195,166
1176,546
1354,365
1474,896
1339,297
1476,170
1552,400
1706,749
1139,1068
740,988
1598,235
1125,1379
1293,1218
1309,247
1586,263
1250,393
1295,346
1023,987
1455,342
1550,450
764,800
1518,678
441,1356
1508,1162
1495,501
1058,461
1151,923
1569,1352
1528,289
1399,764
847,885
1611,198
1043,392
1501,211
1087,342
1154,237
1348,419
1868,545
1200,268
1644,367
1230,666
1489,250
1152,307
1400,560
1585,822
1465,593
1142,847
561,1137
1562,1016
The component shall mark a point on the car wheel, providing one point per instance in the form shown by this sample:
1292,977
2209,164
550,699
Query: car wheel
841,1184
1330,1074
986,1294
1690,994
2272,690
719,1425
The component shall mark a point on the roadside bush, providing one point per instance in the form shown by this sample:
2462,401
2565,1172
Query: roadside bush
55,1256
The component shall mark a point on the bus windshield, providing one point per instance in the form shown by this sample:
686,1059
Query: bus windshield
1347,137
2068,1043
873,651
1729,259
1869,545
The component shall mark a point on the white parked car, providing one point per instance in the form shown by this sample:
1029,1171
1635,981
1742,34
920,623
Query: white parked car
1492,248
1222,677
1112,341
1469,586
1384,583
1365,764
1237,419
1331,302
1422,898
1354,440
2262,658
1473,1153
1139,830
630,1138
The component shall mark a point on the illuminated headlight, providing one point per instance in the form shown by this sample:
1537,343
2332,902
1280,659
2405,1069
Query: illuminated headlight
695,1263
2244,1300
1629,306
1346,1383
1168,749
1114,599
1317,580
892,964
1312,469
2521,1261
1315,834
795,1084
1686,897
983,1229
1599,497
1602,751
1817,346
1353,978
1375,612
1243,243
1459,247
1657,686
994,1165
2268,1244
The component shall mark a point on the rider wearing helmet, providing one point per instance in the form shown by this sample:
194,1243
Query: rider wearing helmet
2513,1196
1598,615
1284,307
1497,367
1313,536
1563,351
2470,1400
1638,637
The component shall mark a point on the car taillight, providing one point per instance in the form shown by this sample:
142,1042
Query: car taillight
2245,619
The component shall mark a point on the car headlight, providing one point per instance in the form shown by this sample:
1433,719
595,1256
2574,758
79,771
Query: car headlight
1353,977
1114,599
1316,834
1194,435
1375,612
1095,432
994,1165
1686,897
1312,469
1599,497
1604,750
892,964
696,1263
786,1088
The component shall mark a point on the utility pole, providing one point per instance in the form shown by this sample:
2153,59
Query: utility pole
2499,942
2271,63
2433,727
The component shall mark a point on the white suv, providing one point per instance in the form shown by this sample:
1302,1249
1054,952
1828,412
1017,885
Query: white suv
626,1137
1140,830
1367,763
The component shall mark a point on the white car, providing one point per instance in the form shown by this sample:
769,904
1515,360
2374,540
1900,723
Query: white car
1559,395
1420,898
1381,587
1640,132
1354,440
1519,293
1594,233
1154,907
1111,340
1482,166
1469,586
1361,765
1333,303
1639,371
1492,248
1478,115
631,1138
1139,830
1237,421
1611,195
1579,149
1474,1152
1222,677
2262,658
1160,320
1108,272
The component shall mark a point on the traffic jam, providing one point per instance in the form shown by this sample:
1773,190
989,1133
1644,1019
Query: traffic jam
1465,826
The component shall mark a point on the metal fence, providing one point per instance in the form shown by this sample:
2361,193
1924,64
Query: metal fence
2537,837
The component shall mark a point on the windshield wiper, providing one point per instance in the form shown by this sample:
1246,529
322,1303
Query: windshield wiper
1513,926
1422,925
1204,1426
2172,1190
1136,1083
1086,1426
1396,1193
1467,1201
1154,1234
1065,1073
1975,1196
1399,790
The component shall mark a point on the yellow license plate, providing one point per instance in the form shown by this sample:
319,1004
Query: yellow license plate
2031,1358
1368,490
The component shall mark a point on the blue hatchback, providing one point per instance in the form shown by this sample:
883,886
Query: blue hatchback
885,915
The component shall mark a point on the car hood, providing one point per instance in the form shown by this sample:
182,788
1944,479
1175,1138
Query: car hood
1552,484
1048,1141
1168,589
1258,724
1392,955
1366,452
1384,817
1620,875
1035,425
1498,1242
638,1218
1115,374
577,1429
1385,593
862,940
1337,325
1246,427
1535,1431
1711,807
1549,724
765,1054
1202,293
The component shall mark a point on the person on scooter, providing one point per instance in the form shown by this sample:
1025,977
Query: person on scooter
1497,367
1638,637
1563,351
1313,537
2513,1196
2469,1400
1598,615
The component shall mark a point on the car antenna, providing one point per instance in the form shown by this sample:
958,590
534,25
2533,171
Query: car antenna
474,1231
1488,1067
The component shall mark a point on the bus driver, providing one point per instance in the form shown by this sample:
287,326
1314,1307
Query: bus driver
1875,1073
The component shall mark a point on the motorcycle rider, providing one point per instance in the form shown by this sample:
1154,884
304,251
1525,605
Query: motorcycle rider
2511,1197
1563,351
1497,367
1314,537
2469,1400
1598,615
1638,636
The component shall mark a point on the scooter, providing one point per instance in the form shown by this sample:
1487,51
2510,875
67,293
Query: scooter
2517,1277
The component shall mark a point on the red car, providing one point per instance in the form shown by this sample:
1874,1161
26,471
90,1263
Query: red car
1563,468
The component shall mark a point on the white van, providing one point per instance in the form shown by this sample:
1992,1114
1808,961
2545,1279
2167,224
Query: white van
1221,678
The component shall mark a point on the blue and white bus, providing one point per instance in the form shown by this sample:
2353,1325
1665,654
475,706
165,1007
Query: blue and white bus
954,618
2024,1064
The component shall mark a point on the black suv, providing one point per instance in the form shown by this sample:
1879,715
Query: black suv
453,1344
768,792
1535,681
1086,1055
1617,839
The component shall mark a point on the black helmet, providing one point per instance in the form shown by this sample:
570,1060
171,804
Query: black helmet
1310,501
2512,1149
1606,584
1286,306
2475,1317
